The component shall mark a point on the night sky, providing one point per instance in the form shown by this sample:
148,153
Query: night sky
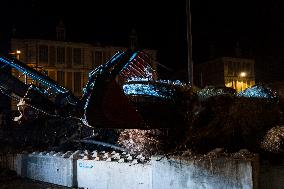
218,25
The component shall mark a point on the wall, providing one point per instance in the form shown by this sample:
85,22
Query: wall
160,173
106,175
210,174
50,168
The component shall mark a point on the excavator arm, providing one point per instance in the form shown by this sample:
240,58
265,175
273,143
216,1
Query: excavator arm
122,93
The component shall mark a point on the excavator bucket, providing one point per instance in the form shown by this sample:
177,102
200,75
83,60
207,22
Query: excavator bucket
108,107
127,95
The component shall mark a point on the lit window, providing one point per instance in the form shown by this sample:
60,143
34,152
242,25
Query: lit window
51,74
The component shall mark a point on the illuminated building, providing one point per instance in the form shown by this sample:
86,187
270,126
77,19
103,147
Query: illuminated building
237,73
66,62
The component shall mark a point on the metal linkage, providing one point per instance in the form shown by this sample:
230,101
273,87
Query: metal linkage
23,68
65,103
102,96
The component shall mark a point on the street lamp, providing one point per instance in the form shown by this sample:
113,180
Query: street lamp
16,53
189,44
243,74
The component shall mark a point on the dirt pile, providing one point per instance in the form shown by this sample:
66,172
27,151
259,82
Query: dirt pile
222,119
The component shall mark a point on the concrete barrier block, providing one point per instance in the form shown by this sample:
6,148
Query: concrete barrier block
93,174
19,159
46,168
210,174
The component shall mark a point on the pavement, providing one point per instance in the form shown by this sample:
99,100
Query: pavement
28,184
9,180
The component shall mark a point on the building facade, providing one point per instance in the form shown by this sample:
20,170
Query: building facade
237,73
68,63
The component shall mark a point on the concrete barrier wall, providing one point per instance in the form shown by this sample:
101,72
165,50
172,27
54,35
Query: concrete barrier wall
89,171
166,174
47,168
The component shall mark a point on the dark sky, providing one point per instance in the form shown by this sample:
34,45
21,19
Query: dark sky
159,24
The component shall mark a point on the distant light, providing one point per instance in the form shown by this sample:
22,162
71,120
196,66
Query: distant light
18,52
243,74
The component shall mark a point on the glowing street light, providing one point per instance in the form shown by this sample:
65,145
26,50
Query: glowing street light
243,74
16,53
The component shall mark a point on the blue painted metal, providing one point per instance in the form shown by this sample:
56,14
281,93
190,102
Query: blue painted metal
37,76
131,68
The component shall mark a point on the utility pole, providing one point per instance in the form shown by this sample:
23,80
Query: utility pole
189,44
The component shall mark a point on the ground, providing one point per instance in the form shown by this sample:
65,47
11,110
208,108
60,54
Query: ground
9,180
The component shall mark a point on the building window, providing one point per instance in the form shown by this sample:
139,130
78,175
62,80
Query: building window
93,60
230,68
238,68
61,78
77,82
51,74
247,68
51,56
69,81
69,57
98,58
43,53
60,34
60,55
77,56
